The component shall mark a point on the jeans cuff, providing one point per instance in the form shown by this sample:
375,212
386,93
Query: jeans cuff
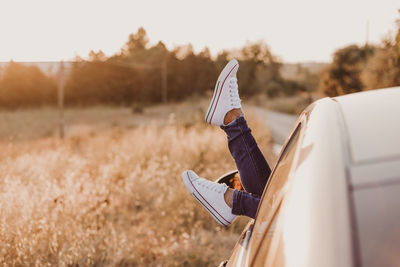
235,122
236,128
236,204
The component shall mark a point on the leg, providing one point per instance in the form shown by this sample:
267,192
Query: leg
224,109
220,201
242,203
253,168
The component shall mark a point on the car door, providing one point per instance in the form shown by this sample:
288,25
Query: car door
256,239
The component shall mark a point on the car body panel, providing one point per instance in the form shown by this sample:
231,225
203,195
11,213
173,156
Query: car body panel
372,123
338,205
294,236
381,172
312,230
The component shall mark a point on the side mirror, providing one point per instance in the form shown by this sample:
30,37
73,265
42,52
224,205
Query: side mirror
223,263
231,179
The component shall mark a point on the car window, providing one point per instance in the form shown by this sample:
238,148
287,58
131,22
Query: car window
275,187
269,207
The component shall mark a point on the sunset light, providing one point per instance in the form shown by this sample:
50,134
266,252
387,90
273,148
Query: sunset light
200,133
310,30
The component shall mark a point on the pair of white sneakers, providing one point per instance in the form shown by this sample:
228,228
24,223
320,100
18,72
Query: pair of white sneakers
211,194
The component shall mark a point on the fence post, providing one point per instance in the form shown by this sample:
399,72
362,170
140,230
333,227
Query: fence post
61,84
164,82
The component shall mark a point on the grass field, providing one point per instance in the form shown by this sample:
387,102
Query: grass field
110,193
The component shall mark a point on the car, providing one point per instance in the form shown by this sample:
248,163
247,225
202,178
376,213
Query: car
333,197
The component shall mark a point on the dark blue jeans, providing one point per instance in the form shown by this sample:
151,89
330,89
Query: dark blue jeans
253,168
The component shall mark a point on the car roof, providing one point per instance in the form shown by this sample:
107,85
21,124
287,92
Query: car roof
372,122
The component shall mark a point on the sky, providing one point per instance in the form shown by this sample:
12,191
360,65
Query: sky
296,31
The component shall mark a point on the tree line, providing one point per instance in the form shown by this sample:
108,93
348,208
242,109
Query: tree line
26,86
145,74
139,72
135,74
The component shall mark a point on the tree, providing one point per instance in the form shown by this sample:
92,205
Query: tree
140,73
259,70
136,42
99,56
383,69
342,76
222,59
26,86
190,73
98,82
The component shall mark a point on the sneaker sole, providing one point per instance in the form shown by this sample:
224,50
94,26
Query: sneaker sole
199,197
218,89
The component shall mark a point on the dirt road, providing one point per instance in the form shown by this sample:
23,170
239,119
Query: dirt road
280,124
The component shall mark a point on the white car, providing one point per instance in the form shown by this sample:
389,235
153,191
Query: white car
333,198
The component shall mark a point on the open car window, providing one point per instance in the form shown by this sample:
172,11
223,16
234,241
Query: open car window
279,178
269,207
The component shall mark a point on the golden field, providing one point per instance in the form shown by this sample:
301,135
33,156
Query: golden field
110,193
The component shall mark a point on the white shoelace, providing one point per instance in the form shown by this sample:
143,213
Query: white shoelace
212,186
234,93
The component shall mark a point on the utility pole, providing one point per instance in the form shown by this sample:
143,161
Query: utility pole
367,34
61,85
164,82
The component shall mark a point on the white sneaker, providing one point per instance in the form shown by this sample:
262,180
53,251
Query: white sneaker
210,195
226,95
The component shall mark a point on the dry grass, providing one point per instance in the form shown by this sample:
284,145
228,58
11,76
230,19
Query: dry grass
111,194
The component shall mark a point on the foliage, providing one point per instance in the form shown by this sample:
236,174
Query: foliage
94,82
192,74
136,73
259,70
383,69
146,74
357,68
343,75
26,86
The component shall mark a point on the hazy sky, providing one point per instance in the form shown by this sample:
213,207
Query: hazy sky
296,30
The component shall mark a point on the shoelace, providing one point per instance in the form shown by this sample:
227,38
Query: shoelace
210,185
234,93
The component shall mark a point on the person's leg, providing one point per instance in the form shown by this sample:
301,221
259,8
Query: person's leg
242,203
220,201
225,110
211,196
253,168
